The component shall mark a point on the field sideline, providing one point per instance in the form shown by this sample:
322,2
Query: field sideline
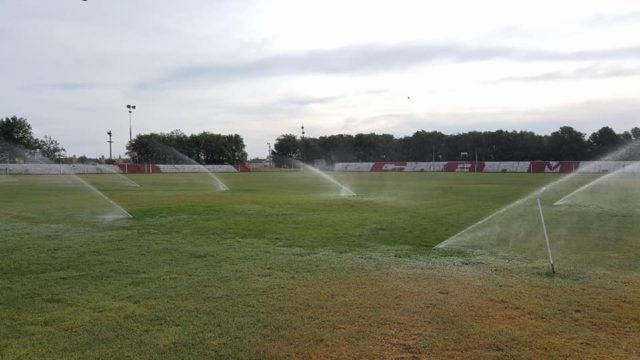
281,266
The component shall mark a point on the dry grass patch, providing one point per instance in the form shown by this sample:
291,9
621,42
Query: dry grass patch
466,313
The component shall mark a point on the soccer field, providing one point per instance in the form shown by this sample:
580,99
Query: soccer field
282,266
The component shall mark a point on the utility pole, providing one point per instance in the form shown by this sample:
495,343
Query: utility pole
131,108
110,142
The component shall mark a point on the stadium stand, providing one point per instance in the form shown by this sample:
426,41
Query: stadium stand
353,166
61,169
493,166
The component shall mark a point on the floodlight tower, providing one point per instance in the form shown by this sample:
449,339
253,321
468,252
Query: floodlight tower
110,142
302,143
269,154
131,108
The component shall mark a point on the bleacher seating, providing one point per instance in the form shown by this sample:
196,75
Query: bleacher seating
495,166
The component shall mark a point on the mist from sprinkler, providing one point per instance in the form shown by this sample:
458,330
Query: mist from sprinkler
109,169
510,228
177,156
63,171
344,190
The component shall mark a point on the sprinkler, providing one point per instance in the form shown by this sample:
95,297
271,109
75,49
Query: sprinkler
546,237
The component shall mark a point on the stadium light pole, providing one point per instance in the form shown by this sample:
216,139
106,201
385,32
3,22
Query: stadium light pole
269,154
302,143
110,142
130,108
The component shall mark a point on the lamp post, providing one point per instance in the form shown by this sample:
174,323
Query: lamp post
110,142
130,108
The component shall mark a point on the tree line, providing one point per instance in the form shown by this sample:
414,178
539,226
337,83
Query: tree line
17,142
178,148
566,143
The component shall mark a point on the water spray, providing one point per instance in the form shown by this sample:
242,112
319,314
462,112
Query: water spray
111,171
620,153
565,200
71,175
170,150
546,236
344,191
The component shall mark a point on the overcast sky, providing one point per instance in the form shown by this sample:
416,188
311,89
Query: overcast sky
262,68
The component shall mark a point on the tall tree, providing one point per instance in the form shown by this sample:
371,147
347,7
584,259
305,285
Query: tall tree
177,148
286,148
337,148
17,131
16,138
374,147
567,144
17,141
603,141
51,148
635,133
423,146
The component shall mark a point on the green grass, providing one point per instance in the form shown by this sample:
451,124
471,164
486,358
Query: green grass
281,266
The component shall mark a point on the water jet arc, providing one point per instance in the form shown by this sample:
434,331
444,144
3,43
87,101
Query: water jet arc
586,186
216,180
120,176
344,191
546,236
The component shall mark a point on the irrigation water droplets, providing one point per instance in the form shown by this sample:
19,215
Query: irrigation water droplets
51,192
344,190
591,219
170,155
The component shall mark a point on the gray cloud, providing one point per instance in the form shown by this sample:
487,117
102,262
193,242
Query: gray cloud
587,116
614,19
370,59
70,86
585,73
306,101
376,91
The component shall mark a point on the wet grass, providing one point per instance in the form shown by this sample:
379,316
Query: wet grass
281,266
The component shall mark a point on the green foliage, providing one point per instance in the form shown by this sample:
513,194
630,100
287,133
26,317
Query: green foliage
568,142
16,138
337,148
51,148
17,141
603,141
17,131
423,146
203,148
286,148
370,147
635,133
564,144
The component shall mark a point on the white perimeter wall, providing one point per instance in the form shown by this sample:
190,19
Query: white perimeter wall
353,166
57,169
195,168
494,166
489,166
